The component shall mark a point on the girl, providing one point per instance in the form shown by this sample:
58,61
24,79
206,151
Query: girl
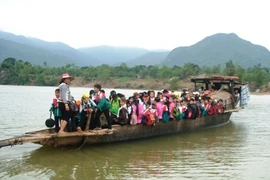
171,107
122,116
138,110
159,108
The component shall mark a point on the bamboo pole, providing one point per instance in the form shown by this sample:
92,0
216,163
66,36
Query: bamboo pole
88,122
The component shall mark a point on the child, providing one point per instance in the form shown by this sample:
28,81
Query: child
115,106
220,108
122,115
86,109
150,114
103,106
171,107
159,108
55,110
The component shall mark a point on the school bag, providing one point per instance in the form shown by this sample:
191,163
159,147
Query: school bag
165,116
150,119
133,120
176,113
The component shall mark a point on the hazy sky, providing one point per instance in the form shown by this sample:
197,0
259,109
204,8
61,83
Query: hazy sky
152,24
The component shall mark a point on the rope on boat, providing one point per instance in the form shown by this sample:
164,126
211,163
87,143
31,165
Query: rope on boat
82,144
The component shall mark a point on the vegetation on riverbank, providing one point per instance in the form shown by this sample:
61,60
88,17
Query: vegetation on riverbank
19,72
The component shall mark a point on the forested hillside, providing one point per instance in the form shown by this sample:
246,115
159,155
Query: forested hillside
18,72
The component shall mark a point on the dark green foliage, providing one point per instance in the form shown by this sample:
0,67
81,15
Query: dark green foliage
18,72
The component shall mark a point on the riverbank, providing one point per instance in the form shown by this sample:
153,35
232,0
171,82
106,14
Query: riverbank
135,83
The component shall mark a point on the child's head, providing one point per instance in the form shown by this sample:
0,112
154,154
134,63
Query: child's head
114,97
202,100
85,97
152,94
157,99
170,99
148,104
122,101
91,92
131,99
191,101
97,88
220,101
57,93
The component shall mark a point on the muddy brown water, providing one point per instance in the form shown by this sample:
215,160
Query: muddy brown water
239,149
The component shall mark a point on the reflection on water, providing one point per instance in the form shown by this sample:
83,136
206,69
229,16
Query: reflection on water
237,150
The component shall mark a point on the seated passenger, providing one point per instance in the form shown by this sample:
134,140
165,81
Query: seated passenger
138,110
115,106
159,108
151,96
86,108
171,107
205,107
220,107
150,114
122,115
192,111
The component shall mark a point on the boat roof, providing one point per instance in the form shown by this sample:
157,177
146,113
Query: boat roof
216,79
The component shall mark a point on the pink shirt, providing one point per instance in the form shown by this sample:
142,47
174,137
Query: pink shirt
172,105
159,110
140,115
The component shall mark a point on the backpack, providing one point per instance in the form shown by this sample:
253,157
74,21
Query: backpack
176,113
73,106
150,119
133,120
165,116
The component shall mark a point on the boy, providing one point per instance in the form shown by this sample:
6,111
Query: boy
55,110
86,109
103,106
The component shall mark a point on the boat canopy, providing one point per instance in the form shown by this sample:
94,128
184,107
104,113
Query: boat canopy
217,81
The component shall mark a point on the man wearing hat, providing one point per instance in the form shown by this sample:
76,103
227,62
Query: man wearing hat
64,100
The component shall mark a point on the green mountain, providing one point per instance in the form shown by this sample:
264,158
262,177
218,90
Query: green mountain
150,58
218,49
113,55
33,54
52,49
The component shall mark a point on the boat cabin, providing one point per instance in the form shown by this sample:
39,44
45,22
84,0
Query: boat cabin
218,82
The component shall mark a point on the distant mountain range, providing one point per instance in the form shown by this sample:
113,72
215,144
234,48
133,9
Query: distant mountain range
150,58
113,55
213,50
218,49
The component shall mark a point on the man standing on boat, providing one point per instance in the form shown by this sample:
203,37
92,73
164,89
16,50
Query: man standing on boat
103,106
64,101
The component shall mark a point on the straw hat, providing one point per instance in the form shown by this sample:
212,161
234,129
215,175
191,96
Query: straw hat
65,76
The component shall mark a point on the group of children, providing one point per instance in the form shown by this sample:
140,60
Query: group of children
142,108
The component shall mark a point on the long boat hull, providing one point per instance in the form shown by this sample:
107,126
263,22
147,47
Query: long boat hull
125,132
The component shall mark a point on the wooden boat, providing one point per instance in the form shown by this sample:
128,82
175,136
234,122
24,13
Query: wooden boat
48,137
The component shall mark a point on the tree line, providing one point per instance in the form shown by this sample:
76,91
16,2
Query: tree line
19,72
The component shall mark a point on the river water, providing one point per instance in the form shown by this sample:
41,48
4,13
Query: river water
237,150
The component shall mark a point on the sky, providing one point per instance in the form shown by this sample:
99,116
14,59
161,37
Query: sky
150,24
